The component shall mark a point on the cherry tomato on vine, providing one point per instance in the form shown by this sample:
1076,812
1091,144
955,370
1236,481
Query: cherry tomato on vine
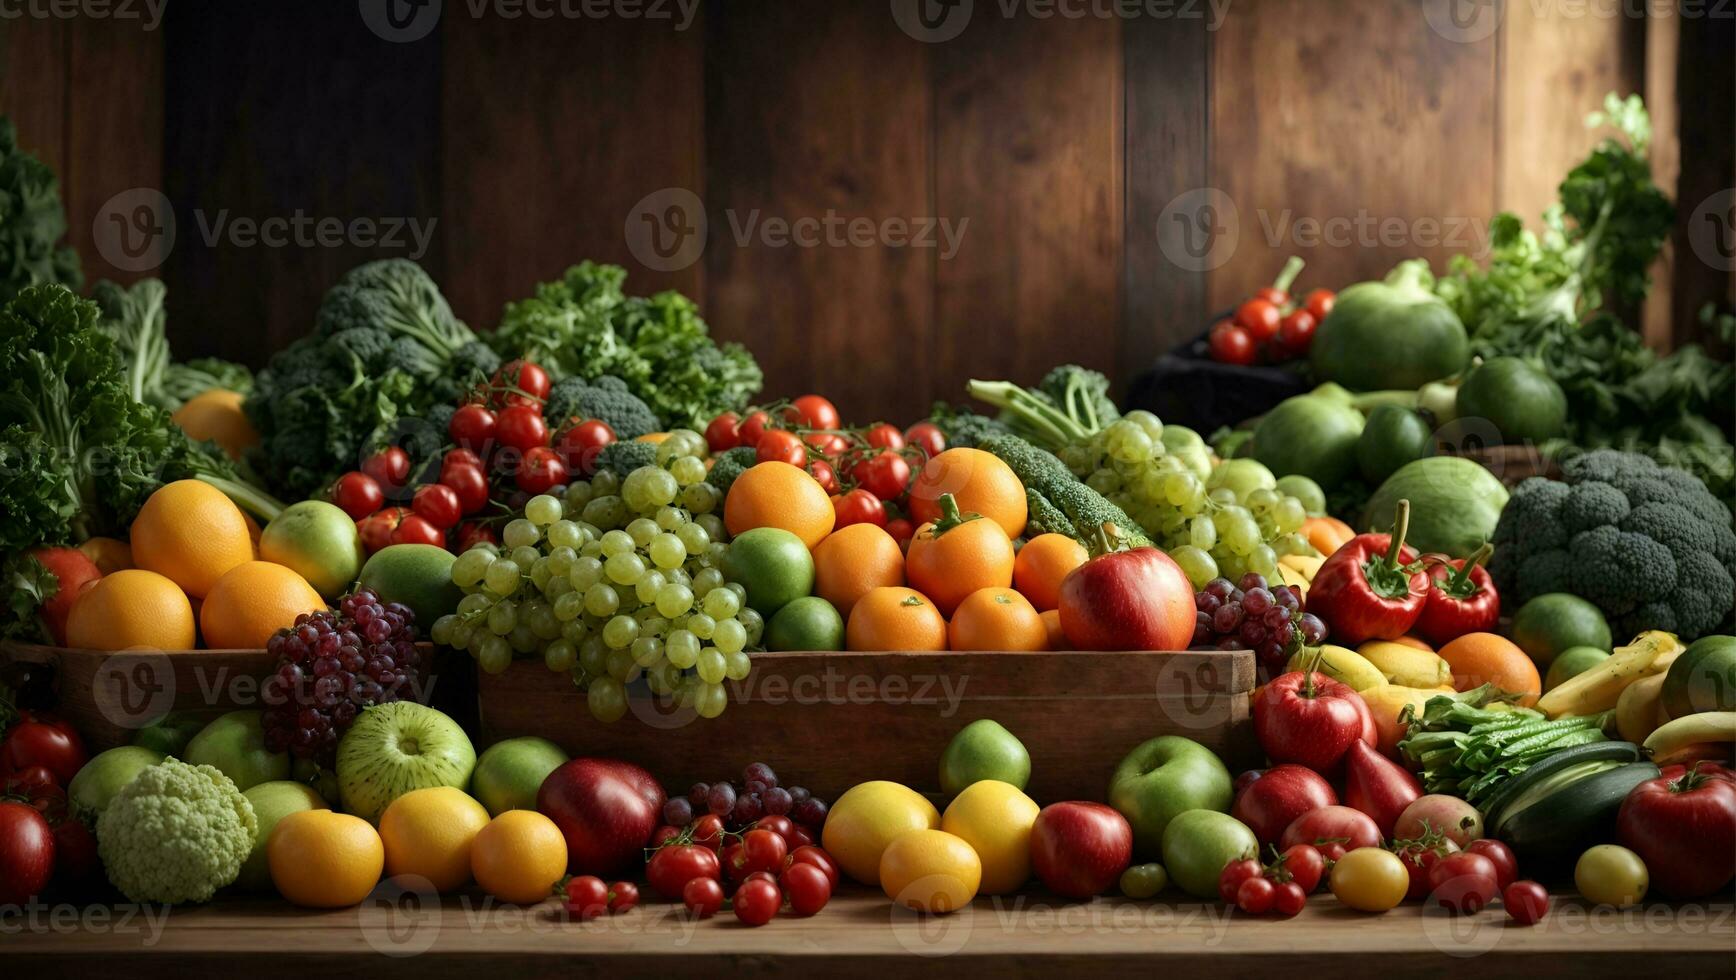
780,445
389,467
1289,899
858,507
1296,331
530,380
459,455
674,865
522,427
1254,895
1527,902
703,897
1259,317
1463,882
473,427
723,433
377,528
586,897
829,443
623,895
927,436
1506,865
357,494
1273,295
1305,864
824,475
757,901
813,412
885,436
438,504
763,850
468,482
1319,303
752,428
808,888
472,533
777,824
1230,344
708,831
541,470
416,529
580,444
885,474
1230,879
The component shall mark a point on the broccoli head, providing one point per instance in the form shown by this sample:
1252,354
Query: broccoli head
622,458
176,833
730,464
614,404
1056,501
1649,545
396,296
1082,393
963,427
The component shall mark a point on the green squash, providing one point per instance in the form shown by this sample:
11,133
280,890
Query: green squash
1390,333
1702,678
1393,437
1454,504
1309,435
1523,403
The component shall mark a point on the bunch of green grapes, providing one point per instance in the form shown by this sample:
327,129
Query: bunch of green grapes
1223,521
618,582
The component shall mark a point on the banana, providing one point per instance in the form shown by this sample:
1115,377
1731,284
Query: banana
1340,664
1706,726
1597,689
1406,665
1636,710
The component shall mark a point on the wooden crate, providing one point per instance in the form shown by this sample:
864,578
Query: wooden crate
834,719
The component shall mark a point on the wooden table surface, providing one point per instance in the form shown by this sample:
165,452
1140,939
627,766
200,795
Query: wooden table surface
860,935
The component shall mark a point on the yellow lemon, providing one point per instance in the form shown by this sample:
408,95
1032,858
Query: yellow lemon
519,856
324,860
995,819
868,817
930,871
429,832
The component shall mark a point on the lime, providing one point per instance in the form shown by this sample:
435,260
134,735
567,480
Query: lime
808,623
1556,621
773,565
1571,661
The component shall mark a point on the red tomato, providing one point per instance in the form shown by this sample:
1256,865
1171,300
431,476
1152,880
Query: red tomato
1296,331
664,835
1259,317
708,831
885,436
859,507
1254,896
777,824
902,531
522,427
927,436
1230,344
674,865
1506,865
723,433
357,494
1230,879
438,504
1527,902
1685,831
1304,864
886,474
376,529
762,850
703,897
808,854
813,412
751,428
808,887
757,901
389,467
1289,900
73,570
40,740
472,533
473,427
824,475
586,897
1319,303
623,895
780,445
829,443
799,836
580,444
416,529
541,470
520,382
29,781
1419,859
1463,882
1273,295
469,483
26,853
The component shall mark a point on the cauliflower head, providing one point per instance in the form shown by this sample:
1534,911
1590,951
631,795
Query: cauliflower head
176,833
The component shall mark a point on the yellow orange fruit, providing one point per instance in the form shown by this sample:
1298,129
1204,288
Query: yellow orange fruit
252,601
996,619
1042,563
995,819
979,481
190,532
947,563
131,608
324,860
868,818
428,833
110,555
851,561
1485,658
1052,626
519,856
776,494
215,416
892,617
930,871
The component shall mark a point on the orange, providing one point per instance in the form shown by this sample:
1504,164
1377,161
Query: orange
131,608
215,416
1041,565
1052,626
254,600
324,860
1326,534
853,560
996,619
930,871
429,832
519,856
776,494
1484,658
959,555
190,532
892,617
978,480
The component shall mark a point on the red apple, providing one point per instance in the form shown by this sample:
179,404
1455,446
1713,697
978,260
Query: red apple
1282,794
1080,849
1377,785
606,809
1128,600
1311,719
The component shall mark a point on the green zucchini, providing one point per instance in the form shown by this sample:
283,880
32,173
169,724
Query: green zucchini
1559,822
1614,753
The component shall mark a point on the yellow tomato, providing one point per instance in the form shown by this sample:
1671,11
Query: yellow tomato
1370,879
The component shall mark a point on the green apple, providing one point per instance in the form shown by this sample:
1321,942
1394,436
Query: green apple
272,802
983,750
395,748
319,542
170,733
1198,843
97,782
417,575
235,744
1159,779
509,773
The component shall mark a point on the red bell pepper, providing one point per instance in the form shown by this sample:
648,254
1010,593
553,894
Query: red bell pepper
1461,598
1372,588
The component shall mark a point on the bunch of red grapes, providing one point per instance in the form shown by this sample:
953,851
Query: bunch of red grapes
1255,615
331,665
739,804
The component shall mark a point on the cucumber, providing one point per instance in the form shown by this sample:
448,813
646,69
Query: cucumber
1495,807
1559,822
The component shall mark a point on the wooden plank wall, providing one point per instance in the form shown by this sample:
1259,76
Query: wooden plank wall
1061,145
